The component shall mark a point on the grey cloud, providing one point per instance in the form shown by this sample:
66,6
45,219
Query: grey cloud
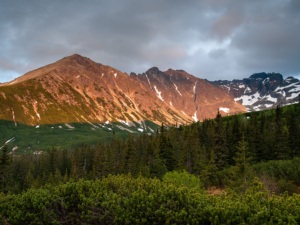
207,38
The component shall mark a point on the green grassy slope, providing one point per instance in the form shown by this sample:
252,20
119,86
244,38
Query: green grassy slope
60,135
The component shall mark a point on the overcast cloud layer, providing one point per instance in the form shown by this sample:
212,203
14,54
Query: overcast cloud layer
213,39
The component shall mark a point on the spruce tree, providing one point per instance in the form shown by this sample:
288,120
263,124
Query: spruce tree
4,163
165,150
294,137
279,149
242,161
219,144
130,164
235,138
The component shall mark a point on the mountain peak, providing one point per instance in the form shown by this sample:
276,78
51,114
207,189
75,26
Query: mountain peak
75,57
153,70
264,75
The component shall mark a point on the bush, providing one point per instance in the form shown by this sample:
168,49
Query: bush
182,179
289,186
124,200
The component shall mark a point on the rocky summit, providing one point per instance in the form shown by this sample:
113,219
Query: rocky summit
77,90
262,90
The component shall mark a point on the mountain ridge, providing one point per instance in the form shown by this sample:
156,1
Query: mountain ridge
77,89
262,91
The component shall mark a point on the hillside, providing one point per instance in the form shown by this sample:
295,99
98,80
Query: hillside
76,89
96,99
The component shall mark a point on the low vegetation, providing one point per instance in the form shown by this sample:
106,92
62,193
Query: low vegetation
161,178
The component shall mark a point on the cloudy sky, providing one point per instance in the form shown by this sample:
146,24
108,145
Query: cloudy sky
213,39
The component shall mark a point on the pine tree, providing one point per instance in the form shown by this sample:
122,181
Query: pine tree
219,144
65,162
130,157
165,150
4,164
280,147
294,137
235,137
242,160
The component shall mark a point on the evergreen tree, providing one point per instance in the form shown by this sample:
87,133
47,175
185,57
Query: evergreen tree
279,149
219,144
4,164
235,137
130,157
165,150
294,137
242,161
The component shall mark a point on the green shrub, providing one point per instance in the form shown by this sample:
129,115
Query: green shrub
289,186
124,200
182,179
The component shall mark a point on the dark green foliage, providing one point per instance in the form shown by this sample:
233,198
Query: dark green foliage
219,143
165,149
124,200
210,150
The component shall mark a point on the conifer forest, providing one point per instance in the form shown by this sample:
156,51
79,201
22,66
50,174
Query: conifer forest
253,159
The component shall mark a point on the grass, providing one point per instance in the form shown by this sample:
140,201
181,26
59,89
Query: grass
39,139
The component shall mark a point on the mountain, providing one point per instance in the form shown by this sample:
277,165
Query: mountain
262,90
192,96
77,90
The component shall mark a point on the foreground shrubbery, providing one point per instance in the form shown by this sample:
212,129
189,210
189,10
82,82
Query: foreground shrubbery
125,200
278,176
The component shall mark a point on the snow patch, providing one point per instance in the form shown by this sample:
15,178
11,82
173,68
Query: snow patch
13,82
195,87
141,130
249,99
290,85
148,80
69,126
242,86
78,76
38,116
171,104
270,98
226,110
268,105
124,103
183,112
60,127
115,75
247,90
107,122
10,140
123,128
293,95
37,126
150,129
132,102
159,93
195,116
296,88
177,89
126,123
89,122
225,86
265,80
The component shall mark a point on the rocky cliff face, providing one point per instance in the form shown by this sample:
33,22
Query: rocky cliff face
76,89
194,97
262,91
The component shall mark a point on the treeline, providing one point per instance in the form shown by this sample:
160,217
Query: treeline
203,149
